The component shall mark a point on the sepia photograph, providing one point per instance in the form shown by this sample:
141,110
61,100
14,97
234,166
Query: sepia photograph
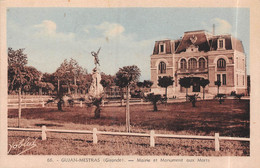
81,72
128,82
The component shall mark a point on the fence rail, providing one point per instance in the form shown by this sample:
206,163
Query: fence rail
25,105
152,135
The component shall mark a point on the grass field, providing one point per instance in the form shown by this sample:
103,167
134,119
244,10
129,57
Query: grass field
229,119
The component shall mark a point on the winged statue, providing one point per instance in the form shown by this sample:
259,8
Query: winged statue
95,55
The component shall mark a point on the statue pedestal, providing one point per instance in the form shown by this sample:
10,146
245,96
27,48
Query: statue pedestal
96,89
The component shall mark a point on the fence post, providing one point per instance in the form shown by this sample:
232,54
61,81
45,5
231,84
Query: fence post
152,141
216,141
95,140
44,132
80,104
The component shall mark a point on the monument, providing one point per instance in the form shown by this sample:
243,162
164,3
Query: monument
96,91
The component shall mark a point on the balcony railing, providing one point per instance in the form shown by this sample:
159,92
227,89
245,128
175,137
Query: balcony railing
192,70
221,69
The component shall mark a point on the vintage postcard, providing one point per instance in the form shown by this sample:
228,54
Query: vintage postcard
129,84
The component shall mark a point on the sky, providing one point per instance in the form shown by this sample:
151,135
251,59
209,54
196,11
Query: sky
126,35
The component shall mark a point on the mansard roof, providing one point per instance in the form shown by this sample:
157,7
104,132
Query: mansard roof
200,38
237,45
201,41
168,47
231,43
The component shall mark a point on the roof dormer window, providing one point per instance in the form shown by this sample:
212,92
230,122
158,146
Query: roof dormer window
221,43
162,48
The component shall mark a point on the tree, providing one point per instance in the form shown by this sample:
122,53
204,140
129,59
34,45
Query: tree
140,91
107,80
68,73
124,78
84,82
148,83
140,84
142,87
165,82
96,102
66,76
17,74
105,83
60,96
203,84
154,99
218,83
186,83
51,82
40,85
220,97
49,87
193,99
16,68
239,96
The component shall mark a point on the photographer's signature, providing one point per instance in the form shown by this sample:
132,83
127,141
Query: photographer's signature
24,144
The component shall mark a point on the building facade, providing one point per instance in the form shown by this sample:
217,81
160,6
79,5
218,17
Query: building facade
199,54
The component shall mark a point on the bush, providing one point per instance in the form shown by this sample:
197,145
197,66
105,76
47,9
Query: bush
233,93
220,97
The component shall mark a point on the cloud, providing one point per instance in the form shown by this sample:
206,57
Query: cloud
110,29
48,29
47,47
86,30
118,48
221,26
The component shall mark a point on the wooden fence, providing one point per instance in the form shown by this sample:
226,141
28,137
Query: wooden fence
30,101
28,96
26,105
152,135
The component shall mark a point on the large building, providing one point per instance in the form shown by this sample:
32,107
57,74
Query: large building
199,54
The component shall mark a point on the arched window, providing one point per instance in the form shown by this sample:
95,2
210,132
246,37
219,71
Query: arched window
202,63
221,64
162,68
192,63
183,64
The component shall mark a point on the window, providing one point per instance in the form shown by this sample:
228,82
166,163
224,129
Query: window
202,63
192,63
183,64
221,43
224,79
243,80
161,48
162,68
221,64
218,77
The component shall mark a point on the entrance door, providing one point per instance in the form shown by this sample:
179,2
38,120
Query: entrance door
196,84
196,87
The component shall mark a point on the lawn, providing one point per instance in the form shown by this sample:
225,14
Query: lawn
208,117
